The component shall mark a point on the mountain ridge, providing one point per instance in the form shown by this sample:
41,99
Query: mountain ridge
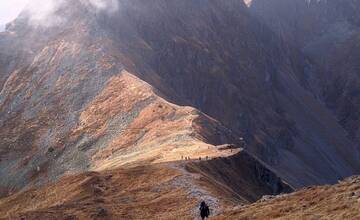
207,85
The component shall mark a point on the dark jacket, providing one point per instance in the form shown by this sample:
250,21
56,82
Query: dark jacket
204,210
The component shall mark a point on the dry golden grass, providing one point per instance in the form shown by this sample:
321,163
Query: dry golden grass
341,202
149,191
159,132
142,192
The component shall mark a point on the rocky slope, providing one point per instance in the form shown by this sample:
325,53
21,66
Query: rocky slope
68,105
148,82
237,76
327,32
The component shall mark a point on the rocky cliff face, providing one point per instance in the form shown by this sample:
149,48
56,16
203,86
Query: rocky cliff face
327,32
103,89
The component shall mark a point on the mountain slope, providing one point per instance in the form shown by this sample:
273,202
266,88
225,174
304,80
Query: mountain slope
340,201
146,191
190,100
327,32
93,92
237,76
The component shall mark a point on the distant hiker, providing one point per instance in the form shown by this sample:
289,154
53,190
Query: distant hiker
204,210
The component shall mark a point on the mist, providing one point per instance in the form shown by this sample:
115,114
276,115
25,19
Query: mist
9,10
43,12
108,5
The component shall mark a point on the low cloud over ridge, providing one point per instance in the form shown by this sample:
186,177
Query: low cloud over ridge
43,12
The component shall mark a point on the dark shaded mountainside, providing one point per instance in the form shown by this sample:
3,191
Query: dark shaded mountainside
328,34
115,92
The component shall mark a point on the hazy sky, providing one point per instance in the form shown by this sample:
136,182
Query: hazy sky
41,10
9,9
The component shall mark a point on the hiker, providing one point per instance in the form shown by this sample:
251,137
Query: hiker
204,210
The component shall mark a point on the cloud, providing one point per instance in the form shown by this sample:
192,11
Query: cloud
107,5
2,27
10,9
248,2
43,12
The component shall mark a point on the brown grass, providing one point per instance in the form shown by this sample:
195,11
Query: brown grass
341,201
135,193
